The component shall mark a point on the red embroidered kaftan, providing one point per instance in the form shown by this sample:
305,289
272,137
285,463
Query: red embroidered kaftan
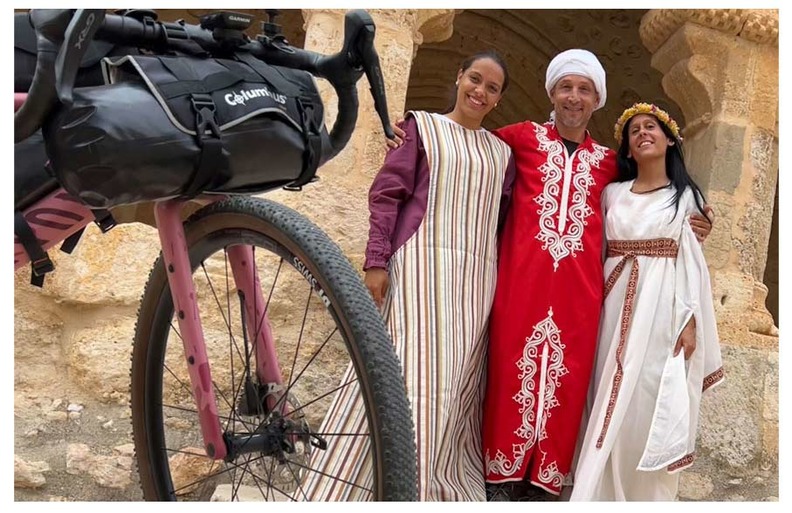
545,316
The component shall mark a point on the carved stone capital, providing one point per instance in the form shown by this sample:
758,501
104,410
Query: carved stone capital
435,25
424,25
711,75
311,15
757,25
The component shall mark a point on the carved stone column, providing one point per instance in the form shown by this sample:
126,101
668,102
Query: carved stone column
338,202
721,68
727,86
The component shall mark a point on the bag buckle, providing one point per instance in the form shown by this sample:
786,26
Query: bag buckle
42,266
201,101
298,188
205,109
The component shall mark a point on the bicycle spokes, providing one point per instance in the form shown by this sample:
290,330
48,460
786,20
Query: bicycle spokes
272,429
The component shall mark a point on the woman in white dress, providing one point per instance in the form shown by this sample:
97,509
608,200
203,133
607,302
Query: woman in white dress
658,345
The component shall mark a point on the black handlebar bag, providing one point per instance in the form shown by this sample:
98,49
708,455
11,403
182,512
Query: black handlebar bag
177,126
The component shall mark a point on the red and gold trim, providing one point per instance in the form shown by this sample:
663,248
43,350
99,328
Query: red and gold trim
683,462
712,379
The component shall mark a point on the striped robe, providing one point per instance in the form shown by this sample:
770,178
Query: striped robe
442,281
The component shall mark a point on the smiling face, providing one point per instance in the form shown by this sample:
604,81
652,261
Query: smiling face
646,138
480,87
574,98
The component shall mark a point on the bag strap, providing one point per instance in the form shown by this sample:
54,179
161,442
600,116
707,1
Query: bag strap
207,131
103,219
213,82
313,144
71,241
271,75
241,69
40,262
210,141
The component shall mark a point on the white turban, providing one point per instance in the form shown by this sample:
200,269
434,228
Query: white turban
577,62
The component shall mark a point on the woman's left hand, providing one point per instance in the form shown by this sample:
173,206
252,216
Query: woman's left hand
687,339
702,228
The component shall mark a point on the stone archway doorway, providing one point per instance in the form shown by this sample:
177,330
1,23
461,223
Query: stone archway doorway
527,40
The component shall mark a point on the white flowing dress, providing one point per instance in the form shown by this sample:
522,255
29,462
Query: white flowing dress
644,416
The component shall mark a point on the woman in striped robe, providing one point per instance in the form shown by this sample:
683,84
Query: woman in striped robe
431,263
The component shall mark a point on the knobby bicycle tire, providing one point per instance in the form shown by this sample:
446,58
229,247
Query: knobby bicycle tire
273,227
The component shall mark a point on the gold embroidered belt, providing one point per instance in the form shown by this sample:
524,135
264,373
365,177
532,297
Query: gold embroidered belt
629,250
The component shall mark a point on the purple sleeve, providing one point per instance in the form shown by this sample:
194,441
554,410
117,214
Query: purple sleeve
508,186
391,189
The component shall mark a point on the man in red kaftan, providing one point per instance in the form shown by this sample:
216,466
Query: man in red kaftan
545,315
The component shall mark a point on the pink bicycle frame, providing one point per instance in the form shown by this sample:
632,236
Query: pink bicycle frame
176,259
59,215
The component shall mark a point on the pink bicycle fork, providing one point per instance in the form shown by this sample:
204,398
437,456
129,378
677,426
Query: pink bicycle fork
179,272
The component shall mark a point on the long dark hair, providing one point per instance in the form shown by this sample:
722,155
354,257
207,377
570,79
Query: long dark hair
676,171
467,63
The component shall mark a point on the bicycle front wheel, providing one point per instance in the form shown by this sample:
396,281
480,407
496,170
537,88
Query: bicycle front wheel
346,433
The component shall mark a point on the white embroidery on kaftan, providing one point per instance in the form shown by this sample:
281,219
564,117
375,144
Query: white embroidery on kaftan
561,245
545,333
549,474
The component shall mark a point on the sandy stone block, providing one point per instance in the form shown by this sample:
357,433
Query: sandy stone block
99,355
110,268
29,474
718,246
125,450
696,487
727,163
740,65
57,416
38,330
730,425
770,412
108,471
78,458
770,444
764,94
189,466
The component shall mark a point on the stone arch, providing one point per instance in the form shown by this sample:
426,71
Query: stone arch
646,57
528,39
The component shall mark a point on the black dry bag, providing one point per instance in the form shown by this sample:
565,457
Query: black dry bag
177,126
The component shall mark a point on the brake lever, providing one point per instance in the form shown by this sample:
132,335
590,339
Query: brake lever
50,25
77,38
364,45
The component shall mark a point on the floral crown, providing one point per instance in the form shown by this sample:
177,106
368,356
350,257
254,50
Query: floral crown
645,108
